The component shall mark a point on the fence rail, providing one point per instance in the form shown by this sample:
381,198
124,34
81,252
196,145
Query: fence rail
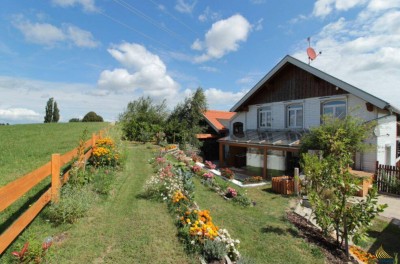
13,191
387,178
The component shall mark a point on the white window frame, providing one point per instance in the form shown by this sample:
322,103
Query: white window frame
334,104
294,108
265,117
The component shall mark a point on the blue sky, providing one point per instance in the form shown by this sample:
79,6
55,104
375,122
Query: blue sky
97,55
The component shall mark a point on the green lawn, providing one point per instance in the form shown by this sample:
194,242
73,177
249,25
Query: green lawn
124,228
265,234
27,147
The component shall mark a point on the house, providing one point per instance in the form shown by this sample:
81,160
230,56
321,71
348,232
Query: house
272,117
216,123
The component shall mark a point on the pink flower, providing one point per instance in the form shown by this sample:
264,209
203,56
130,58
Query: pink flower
208,175
196,168
230,192
210,164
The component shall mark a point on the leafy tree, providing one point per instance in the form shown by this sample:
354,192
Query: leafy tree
330,183
142,119
52,112
74,120
56,113
184,123
49,111
92,117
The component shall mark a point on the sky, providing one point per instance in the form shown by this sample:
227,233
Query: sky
98,55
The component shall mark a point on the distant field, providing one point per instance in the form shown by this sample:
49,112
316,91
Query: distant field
24,148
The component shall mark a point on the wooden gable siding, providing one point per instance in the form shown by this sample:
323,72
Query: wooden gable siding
292,83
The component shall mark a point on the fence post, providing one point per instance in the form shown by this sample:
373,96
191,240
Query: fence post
93,140
100,134
55,177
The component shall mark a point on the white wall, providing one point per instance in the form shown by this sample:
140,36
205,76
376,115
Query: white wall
273,162
239,117
356,106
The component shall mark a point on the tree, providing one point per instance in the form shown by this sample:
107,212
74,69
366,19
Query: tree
74,120
52,112
49,111
184,123
142,119
56,113
329,181
92,117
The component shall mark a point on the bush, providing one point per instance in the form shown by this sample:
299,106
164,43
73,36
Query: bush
214,250
103,180
74,120
74,202
92,117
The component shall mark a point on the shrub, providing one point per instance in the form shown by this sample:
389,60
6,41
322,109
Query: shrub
104,153
74,120
214,250
103,180
227,173
92,117
74,203
242,200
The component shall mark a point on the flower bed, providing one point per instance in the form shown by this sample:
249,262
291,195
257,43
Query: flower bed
172,183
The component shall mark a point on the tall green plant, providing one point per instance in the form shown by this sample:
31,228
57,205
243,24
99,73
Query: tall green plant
330,183
49,111
143,119
184,123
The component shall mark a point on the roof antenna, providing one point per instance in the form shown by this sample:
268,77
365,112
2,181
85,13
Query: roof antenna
311,52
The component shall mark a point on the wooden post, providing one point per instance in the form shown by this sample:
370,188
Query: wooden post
100,134
93,140
221,154
265,164
55,177
296,181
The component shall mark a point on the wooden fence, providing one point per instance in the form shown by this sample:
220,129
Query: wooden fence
387,178
13,191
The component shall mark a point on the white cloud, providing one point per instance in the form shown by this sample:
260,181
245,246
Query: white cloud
208,69
380,5
40,33
222,100
223,37
17,114
80,37
364,52
185,6
257,2
144,71
323,8
250,79
258,26
88,5
73,100
49,35
208,14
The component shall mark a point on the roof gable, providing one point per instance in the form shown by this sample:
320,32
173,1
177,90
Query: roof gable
216,119
320,74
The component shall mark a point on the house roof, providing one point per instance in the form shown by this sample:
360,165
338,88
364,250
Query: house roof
216,119
320,74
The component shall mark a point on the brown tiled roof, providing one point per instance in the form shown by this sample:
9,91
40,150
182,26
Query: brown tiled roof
213,117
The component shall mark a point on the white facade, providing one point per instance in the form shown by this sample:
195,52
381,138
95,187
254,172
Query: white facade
382,142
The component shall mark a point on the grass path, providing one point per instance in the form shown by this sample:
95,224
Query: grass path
126,229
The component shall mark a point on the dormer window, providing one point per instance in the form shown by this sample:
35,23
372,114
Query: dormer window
265,117
335,109
295,116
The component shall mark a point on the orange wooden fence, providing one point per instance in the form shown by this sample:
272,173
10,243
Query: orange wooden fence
283,185
16,189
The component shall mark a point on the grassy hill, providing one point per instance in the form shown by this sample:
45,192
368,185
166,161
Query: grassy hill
24,148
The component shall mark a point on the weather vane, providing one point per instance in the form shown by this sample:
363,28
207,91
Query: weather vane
311,52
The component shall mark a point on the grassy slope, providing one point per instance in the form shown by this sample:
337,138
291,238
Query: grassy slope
126,229
265,235
27,147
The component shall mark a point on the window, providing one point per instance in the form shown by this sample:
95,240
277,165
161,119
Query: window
295,116
238,129
335,109
265,117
